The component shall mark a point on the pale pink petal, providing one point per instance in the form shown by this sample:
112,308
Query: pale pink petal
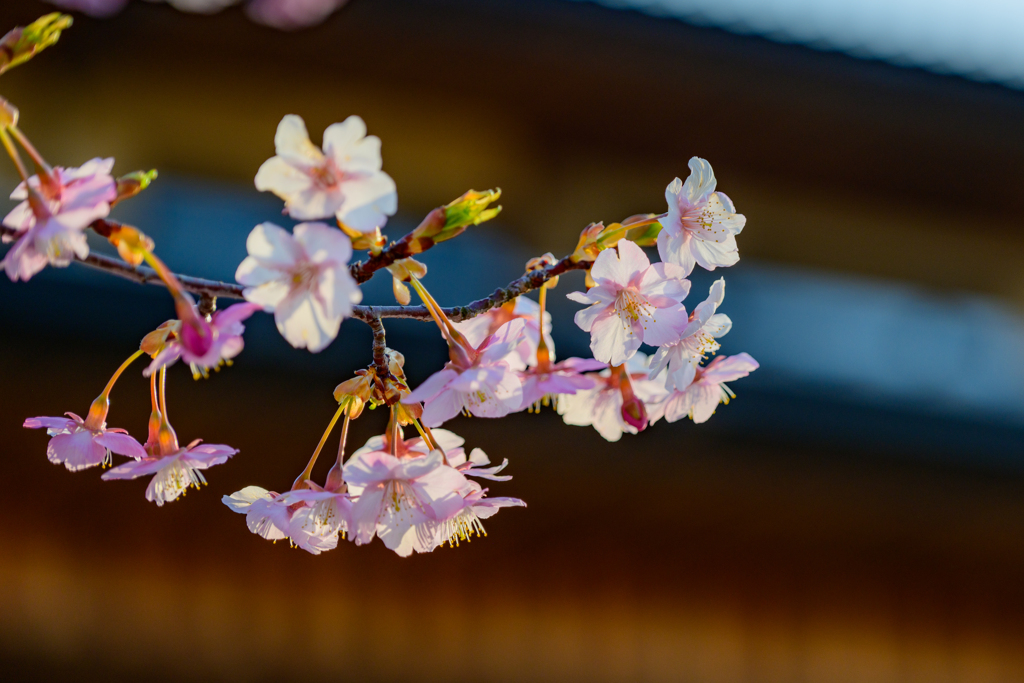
611,341
122,444
76,450
433,384
292,141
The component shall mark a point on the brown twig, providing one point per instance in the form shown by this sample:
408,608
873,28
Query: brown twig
215,288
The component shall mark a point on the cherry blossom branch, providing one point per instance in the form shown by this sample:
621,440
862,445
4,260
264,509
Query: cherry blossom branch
380,359
209,289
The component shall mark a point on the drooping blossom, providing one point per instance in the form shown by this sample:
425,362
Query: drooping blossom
401,500
78,445
343,181
265,513
173,473
220,342
303,278
552,380
701,225
602,406
633,302
53,231
476,506
319,516
701,398
485,387
479,328
697,339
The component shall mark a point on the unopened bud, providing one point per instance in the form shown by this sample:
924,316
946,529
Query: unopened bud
634,413
587,247
130,185
24,42
451,220
646,235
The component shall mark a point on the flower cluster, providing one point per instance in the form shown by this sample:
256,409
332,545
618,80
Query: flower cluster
419,493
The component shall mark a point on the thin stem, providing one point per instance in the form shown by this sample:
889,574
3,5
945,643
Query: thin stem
431,441
300,482
117,373
152,392
394,432
432,306
543,354
36,157
13,153
163,393
344,439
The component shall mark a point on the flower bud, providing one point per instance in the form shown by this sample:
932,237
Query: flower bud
22,43
130,185
587,247
646,232
634,413
451,220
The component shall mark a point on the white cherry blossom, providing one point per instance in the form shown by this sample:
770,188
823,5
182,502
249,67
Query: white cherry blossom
601,407
633,302
699,400
702,224
698,339
303,278
344,180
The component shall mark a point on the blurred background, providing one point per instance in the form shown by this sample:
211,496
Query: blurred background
857,514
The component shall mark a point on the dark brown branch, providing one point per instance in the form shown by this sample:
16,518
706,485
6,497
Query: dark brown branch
380,359
214,288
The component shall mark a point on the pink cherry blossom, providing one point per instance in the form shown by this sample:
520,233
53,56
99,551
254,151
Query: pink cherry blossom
319,516
54,232
601,407
564,377
701,398
265,513
633,302
220,342
481,327
401,499
476,465
486,388
450,442
701,225
303,278
681,357
345,180
466,522
78,446
174,473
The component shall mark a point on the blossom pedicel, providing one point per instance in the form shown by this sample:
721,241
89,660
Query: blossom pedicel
413,486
